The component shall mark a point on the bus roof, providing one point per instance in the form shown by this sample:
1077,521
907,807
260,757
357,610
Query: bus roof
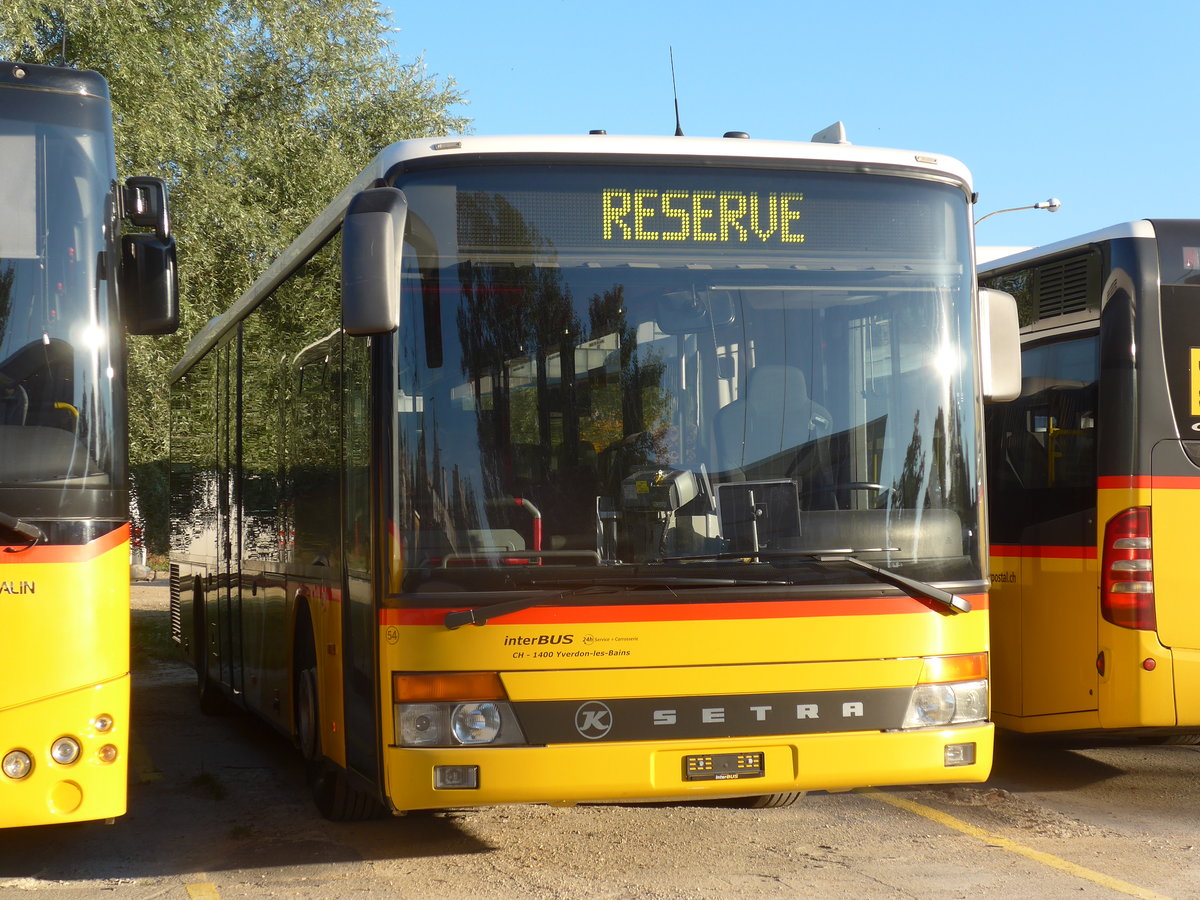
1143,228
588,148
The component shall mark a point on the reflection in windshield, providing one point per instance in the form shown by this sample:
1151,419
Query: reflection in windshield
561,409
55,372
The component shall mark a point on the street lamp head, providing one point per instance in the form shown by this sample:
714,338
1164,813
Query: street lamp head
1051,205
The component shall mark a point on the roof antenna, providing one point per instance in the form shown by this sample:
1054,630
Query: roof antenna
675,91
64,34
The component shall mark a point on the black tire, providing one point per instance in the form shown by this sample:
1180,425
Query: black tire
335,798
1188,740
773,801
308,715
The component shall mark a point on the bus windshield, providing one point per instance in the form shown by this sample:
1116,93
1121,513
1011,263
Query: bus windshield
698,371
56,370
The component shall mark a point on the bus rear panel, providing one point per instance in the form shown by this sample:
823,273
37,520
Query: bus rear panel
1093,474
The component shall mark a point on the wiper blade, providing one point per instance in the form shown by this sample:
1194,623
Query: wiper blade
480,615
911,586
25,529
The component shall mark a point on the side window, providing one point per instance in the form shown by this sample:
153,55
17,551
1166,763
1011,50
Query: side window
1042,447
194,464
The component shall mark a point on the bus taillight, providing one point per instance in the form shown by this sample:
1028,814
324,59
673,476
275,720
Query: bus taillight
1127,598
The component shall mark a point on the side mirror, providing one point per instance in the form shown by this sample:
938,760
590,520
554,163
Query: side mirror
148,281
1000,344
145,204
372,243
149,284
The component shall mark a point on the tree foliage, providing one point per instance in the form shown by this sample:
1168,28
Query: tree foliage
256,113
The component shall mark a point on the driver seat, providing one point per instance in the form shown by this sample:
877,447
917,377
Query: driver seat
776,415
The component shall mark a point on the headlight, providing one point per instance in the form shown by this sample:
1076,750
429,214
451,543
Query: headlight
17,764
489,722
475,723
947,704
64,751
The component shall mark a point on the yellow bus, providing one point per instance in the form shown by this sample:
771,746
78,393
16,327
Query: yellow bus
1095,485
594,468
70,285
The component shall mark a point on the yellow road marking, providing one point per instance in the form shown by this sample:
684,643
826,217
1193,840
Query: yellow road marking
1046,859
203,890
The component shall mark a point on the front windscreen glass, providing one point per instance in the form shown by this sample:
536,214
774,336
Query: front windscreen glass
57,373
56,370
619,372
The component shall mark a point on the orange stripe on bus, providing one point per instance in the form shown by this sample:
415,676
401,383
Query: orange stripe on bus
65,553
691,612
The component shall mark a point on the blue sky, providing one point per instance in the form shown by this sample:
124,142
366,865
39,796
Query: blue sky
1093,103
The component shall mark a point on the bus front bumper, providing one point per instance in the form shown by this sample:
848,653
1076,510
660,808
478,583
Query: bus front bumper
426,778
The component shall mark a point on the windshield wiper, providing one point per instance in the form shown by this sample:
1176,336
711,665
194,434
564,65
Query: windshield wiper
912,587
480,615
25,529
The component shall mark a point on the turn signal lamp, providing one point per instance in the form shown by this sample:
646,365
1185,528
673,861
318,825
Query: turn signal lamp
1127,595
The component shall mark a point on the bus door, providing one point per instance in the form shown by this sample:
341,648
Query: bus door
1043,469
1175,497
228,597
360,631
1176,542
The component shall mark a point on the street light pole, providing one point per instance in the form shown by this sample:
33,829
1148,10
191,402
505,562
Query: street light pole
1051,205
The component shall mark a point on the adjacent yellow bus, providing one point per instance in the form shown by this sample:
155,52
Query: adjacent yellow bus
1095,485
596,468
70,285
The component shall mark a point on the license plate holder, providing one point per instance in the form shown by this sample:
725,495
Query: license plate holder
723,766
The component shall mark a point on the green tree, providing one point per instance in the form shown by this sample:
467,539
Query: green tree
256,113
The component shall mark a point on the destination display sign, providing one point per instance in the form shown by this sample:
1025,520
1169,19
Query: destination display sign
652,210
704,216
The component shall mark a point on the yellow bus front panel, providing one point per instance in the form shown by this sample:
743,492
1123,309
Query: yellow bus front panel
619,703
64,694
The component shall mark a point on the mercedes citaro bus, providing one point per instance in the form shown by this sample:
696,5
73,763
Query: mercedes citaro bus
1095,487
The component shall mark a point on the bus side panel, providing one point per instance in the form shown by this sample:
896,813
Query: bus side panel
67,620
1007,658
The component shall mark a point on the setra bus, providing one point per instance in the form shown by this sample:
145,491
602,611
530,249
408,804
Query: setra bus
70,285
1094,480
559,469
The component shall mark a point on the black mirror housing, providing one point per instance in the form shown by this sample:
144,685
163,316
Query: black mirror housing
372,241
149,284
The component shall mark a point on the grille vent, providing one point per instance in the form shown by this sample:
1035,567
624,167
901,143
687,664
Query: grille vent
176,621
1067,286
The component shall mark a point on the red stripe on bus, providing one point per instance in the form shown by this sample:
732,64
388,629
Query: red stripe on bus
1162,482
1122,482
1042,552
1175,482
692,612
65,553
